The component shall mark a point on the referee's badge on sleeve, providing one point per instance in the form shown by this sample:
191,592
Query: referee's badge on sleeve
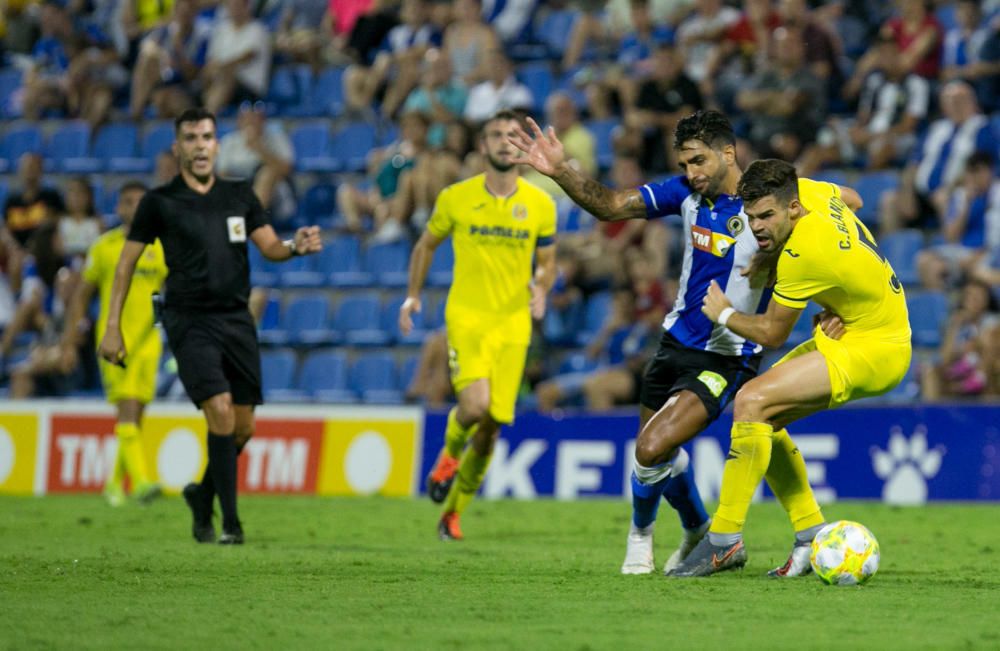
237,229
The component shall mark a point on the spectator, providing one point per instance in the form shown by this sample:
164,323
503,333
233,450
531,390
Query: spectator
139,18
94,76
468,42
892,106
785,102
238,61
665,14
973,216
963,367
501,91
431,383
439,96
741,51
565,298
369,30
699,35
303,31
823,48
663,99
24,212
509,18
260,150
396,67
79,226
972,53
918,33
20,27
560,113
339,22
45,79
168,63
939,162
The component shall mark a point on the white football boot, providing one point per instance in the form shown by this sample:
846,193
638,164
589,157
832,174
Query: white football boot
639,551
798,563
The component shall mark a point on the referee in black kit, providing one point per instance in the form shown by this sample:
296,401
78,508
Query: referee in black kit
204,224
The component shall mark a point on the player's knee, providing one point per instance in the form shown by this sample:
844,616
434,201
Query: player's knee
751,402
649,451
476,409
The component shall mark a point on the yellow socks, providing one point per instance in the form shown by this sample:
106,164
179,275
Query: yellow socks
455,436
749,456
118,472
788,481
470,475
130,448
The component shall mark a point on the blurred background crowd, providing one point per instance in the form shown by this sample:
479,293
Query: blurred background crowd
354,114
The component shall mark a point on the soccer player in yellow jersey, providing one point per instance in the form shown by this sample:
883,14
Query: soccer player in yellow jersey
130,388
497,222
820,251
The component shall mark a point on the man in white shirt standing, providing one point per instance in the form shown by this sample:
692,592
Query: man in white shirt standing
501,91
239,59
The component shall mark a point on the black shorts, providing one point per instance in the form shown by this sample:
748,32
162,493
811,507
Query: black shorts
714,378
216,352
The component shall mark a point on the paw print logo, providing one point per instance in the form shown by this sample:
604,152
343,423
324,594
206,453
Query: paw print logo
906,466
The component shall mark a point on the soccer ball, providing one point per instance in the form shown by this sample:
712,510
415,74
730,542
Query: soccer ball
844,553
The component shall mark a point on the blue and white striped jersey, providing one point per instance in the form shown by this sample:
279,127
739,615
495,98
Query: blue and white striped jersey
718,244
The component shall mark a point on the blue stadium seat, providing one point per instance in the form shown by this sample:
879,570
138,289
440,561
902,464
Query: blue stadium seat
340,259
388,263
68,150
901,249
19,140
277,371
324,377
263,272
928,314
407,370
803,328
3,191
301,272
831,176
440,272
603,130
358,320
116,147
375,378
538,77
594,313
871,186
157,139
390,322
10,82
327,93
283,91
307,319
351,144
318,204
577,362
553,31
313,148
271,316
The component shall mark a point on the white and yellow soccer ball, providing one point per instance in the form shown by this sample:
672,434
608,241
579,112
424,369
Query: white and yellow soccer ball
845,553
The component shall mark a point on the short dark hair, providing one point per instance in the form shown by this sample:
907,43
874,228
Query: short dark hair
710,127
980,158
133,184
768,176
193,115
502,114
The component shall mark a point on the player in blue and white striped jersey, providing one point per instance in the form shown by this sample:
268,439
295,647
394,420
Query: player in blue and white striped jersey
699,365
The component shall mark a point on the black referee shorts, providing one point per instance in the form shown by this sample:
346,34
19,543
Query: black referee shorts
714,378
216,352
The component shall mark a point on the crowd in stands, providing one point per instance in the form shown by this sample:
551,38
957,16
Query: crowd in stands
354,114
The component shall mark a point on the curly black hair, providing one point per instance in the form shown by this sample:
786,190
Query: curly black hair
710,127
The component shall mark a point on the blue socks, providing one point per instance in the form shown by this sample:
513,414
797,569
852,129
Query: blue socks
683,495
646,501
679,490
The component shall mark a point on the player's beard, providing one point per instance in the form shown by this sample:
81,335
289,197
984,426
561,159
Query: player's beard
499,165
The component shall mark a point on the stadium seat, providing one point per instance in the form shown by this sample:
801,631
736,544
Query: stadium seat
271,317
116,147
307,318
440,272
603,130
538,77
340,259
19,140
300,272
928,314
277,369
324,377
871,186
577,362
594,314
313,148
374,377
263,272
68,150
157,139
10,82
901,249
803,328
553,31
283,91
318,205
407,370
831,176
388,263
351,145
358,320
326,97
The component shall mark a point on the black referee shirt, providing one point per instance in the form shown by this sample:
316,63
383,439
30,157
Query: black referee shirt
205,239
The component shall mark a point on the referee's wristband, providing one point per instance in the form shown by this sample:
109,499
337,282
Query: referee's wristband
292,248
724,316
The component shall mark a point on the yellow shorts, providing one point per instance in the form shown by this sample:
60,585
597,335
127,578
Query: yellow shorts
474,355
137,381
858,367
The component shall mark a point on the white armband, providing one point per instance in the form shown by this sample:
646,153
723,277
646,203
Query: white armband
725,314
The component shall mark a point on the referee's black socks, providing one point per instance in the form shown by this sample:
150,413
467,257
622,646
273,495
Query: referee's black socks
222,469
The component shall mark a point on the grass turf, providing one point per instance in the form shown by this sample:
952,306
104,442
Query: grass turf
370,574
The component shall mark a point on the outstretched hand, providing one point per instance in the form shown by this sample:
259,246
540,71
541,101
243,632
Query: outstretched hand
542,149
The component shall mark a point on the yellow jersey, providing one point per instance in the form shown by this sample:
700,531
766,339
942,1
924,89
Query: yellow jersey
831,258
138,330
494,239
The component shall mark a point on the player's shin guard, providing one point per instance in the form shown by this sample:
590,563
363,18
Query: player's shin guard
471,472
682,493
786,475
749,456
222,468
455,435
130,445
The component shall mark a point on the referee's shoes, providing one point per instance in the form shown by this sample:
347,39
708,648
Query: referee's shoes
202,528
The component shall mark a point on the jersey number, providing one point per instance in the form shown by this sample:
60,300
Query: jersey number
866,241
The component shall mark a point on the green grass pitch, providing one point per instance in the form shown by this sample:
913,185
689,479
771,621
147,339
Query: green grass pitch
370,574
